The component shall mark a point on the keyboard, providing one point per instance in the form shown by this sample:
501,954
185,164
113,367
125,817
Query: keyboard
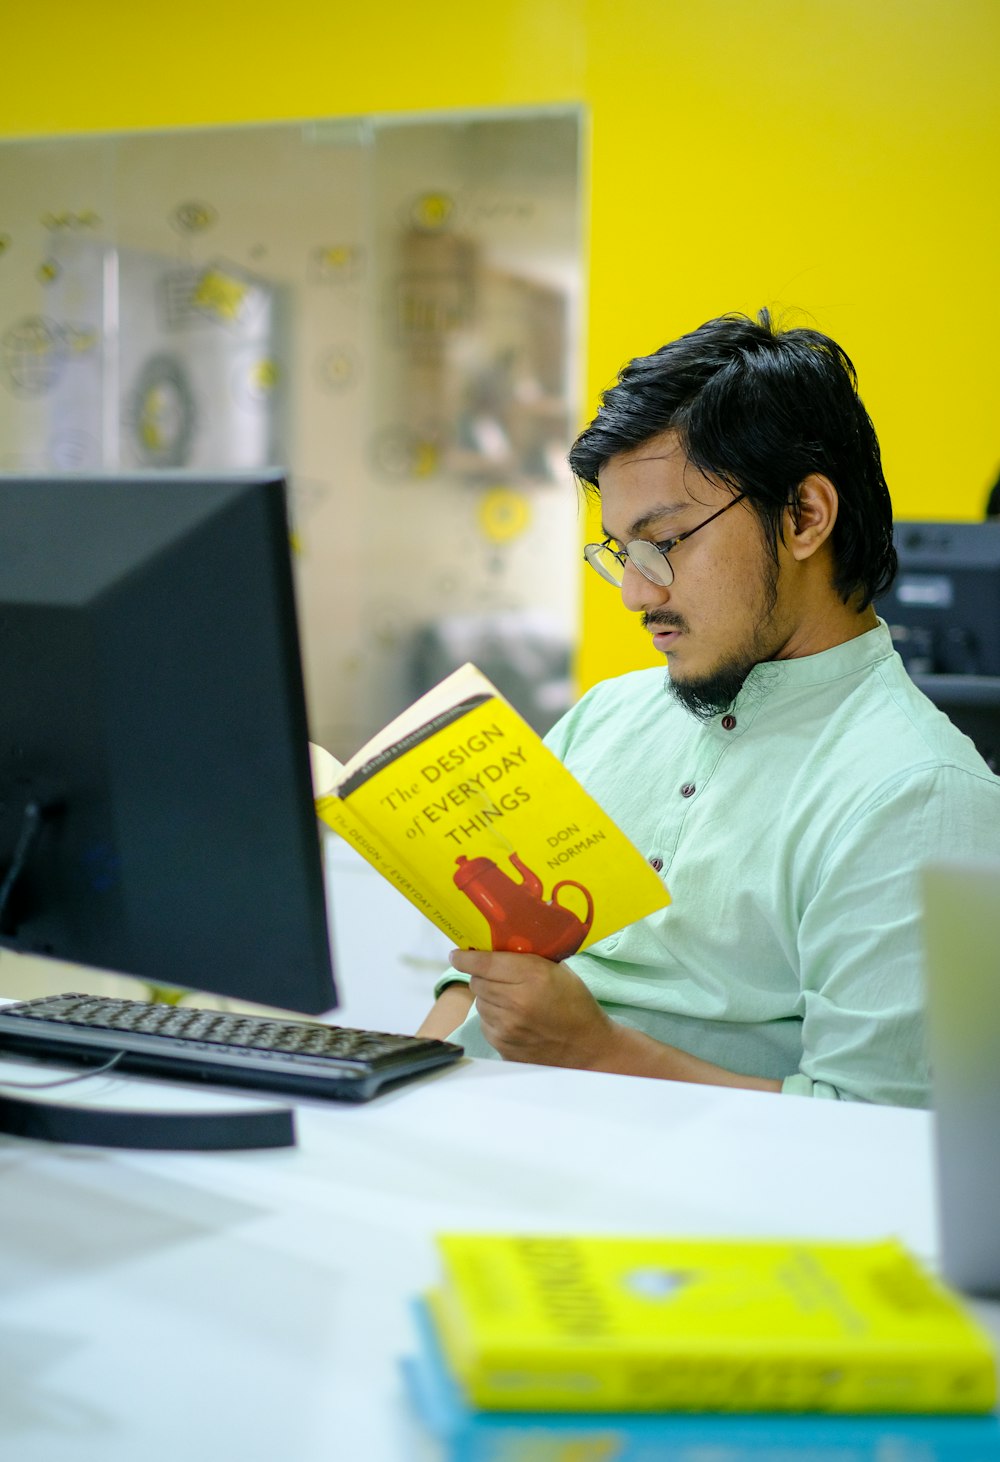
185,1043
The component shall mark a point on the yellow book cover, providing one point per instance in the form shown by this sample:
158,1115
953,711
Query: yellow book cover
659,1324
460,804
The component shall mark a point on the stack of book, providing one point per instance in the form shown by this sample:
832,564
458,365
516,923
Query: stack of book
613,1349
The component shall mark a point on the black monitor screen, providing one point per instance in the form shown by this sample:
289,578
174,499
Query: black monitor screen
156,808
944,607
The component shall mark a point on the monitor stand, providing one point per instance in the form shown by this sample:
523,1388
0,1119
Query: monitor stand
49,1121
158,1130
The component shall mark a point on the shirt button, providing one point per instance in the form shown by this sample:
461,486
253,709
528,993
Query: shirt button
656,864
688,789
728,723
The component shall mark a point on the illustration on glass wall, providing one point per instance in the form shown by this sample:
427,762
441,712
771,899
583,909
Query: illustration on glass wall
163,416
35,350
503,514
336,264
255,380
338,368
217,293
67,221
73,450
432,212
193,217
402,451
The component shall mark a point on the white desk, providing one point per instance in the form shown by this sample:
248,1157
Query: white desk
252,1307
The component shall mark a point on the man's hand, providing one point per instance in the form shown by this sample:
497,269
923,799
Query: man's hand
533,1010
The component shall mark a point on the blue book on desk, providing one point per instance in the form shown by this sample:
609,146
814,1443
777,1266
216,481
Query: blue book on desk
458,1432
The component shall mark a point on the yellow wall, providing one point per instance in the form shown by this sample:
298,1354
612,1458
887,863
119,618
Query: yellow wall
837,157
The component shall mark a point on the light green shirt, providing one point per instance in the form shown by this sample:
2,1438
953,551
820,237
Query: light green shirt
791,833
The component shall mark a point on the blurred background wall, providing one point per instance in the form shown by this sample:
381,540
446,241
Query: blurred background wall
388,308
836,159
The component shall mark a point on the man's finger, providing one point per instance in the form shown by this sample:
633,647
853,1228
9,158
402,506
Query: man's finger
488,964
470,961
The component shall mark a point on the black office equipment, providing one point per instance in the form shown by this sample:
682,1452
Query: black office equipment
156,809
943,612
263,1053
943,609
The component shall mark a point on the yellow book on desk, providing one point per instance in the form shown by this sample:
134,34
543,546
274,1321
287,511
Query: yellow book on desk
459,803
658,1324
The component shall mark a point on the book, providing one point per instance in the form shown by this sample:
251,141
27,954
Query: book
450,1430
460,804
619,1323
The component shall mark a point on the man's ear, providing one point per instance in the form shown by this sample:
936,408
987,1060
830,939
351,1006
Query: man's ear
812,516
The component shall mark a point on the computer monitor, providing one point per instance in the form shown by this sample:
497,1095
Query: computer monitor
156,807
944,607
961,932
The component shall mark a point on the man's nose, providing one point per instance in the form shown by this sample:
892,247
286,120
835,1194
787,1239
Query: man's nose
639,594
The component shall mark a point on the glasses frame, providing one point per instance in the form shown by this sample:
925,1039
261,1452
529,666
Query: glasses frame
625,555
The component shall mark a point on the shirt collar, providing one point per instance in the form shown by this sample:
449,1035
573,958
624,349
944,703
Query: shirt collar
850,658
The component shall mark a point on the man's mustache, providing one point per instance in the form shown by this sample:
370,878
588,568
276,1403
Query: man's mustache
664,618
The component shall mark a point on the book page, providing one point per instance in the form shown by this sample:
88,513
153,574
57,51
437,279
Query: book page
326,770
463,683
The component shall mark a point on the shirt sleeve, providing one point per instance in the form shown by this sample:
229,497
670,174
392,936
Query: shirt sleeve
861,936
450,977
799,1085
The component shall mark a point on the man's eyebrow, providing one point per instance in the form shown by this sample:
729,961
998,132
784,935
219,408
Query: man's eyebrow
655,514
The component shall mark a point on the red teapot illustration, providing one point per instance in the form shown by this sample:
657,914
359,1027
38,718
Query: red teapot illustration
519,917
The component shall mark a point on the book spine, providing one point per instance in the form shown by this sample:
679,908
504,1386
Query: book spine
407,743
486,1438
452,1431
355,831
832,1384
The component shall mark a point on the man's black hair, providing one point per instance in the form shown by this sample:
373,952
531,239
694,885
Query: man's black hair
760,409
993,500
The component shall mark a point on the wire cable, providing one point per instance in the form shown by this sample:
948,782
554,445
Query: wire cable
64,1080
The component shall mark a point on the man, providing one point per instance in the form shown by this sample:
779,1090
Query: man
786,774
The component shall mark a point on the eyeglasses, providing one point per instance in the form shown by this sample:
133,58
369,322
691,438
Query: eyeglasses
649,558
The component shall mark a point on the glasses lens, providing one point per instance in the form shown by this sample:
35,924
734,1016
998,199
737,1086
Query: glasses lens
600,557
650,562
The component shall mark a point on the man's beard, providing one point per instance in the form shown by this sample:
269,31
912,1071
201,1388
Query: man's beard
708,695
711,694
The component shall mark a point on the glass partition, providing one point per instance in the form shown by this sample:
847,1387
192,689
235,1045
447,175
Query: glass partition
390,308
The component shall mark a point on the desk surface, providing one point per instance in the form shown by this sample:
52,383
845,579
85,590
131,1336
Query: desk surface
253,1306
186,1307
